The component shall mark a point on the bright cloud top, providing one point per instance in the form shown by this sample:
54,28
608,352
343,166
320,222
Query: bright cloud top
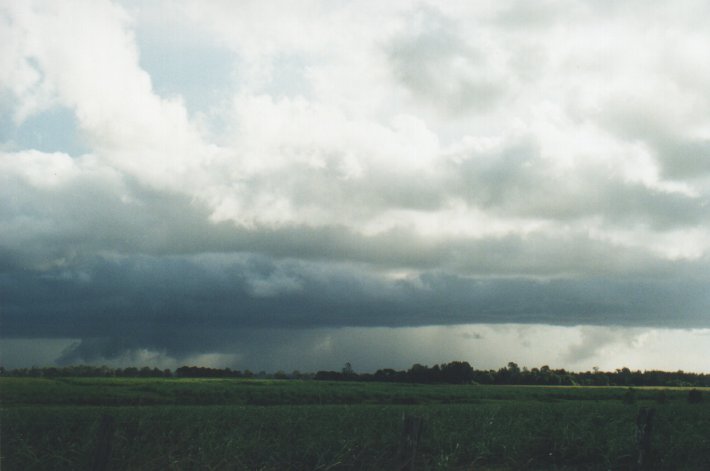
415,150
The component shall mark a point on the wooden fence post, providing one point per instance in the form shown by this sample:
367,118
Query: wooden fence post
102,451
644,427
411,433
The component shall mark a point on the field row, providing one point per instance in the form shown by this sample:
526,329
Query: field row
162,391
237,424
511,435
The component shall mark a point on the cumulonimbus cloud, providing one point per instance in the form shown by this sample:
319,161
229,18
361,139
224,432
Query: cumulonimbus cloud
446,164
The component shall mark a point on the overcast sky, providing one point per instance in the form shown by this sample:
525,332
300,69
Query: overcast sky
287,185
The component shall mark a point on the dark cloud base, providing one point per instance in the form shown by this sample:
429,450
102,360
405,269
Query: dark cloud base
193,304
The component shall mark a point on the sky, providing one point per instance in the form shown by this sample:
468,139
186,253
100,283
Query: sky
300,184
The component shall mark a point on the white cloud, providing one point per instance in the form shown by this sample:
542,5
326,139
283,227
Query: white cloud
356,151
84,57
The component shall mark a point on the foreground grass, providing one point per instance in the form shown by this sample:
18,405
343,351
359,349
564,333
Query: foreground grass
219,424
176,391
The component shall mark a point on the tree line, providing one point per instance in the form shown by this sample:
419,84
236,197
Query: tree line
462,373
455,372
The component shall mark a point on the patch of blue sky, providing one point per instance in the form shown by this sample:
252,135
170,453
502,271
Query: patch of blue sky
202,73
52,130
207,75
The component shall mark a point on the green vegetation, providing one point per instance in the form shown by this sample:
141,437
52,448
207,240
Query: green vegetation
455,372
179,423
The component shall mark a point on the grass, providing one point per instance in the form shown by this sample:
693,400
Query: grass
224,424
175,391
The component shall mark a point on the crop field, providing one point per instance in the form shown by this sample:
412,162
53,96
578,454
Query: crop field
181,424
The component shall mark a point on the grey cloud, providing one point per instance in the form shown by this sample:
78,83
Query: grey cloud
532,255
305,187
367,349
441,68
61,227
681,157
49,228
472,336
16,353
684,158
513,181
96,213
595,339
517,181
525,15
189,304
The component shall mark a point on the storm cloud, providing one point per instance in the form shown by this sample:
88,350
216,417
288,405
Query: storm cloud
177,176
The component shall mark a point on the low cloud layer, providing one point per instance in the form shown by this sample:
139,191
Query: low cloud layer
175,173
188,304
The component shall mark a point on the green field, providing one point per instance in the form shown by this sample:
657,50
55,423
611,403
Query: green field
308,425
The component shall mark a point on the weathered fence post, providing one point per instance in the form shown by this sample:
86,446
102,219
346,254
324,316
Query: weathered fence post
411,433
103,443
644,426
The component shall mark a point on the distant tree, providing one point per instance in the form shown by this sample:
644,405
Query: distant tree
328,376
145,372
509,374
457,372
420,374
51,372
130,371
389,375
623,377
483,377
600,379
280,375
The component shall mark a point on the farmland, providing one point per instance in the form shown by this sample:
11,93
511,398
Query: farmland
170,423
